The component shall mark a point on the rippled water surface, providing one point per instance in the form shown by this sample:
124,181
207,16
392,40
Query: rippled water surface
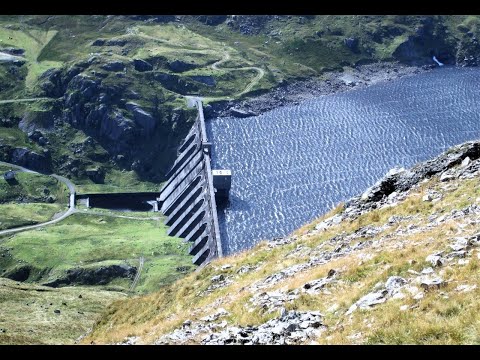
292,164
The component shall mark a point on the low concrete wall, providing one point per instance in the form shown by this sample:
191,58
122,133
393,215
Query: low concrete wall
132,201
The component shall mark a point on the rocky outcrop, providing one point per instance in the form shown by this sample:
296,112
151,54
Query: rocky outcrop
180,66
94,276
113,66
176,83
13,51
241,113
27,158
401,180
142,65
351,43
249,24
430,39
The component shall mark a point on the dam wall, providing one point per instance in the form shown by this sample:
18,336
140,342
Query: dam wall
188,197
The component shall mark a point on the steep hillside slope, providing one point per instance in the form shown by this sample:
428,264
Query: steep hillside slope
398,264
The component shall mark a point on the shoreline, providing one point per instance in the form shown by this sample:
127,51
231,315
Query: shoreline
330,83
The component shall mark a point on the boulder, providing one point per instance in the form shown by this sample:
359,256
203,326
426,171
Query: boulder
435,259
394,283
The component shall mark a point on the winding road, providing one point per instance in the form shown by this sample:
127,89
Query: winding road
25,100
214,66
71,207
251,84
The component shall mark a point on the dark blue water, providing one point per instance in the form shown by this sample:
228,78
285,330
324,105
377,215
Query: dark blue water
292,164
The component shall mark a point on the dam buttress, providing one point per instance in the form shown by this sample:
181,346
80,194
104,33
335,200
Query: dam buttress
188,198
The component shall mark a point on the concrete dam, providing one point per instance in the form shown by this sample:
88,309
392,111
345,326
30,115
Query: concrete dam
189,197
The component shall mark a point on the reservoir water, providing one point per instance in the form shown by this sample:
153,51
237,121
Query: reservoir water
292,164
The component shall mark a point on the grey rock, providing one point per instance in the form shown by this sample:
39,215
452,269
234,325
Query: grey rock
141,117
394,283
435,259
372,299
446,176
241,113
432,282
217,278
465,162
459,244
31,160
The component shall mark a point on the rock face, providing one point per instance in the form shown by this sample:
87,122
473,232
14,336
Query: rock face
176,83
96,276
141,117
430,39
102,107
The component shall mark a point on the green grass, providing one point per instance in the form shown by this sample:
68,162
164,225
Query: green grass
16,138
16,215
28,317
33,188
83,240
32,41
117,181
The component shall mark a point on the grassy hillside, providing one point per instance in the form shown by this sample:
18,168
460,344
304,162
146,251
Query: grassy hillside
359,257
28,312
88,240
